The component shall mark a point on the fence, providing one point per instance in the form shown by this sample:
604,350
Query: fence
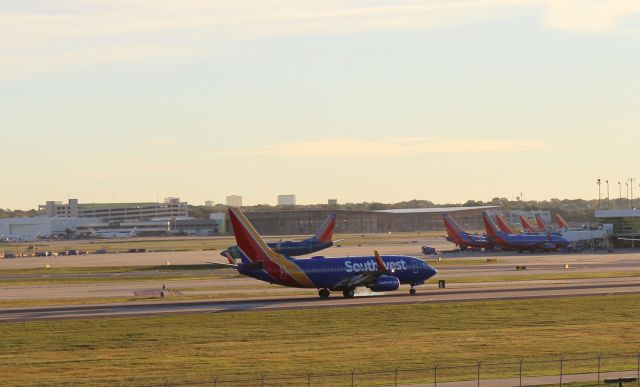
590,370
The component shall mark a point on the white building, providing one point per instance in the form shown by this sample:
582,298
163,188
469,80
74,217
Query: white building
42,226
286,200
234,200
171,208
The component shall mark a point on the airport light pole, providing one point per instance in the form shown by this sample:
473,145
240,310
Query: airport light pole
608,206
631,180
598,182
627,184
620,193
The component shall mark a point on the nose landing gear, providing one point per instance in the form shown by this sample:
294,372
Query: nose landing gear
412,291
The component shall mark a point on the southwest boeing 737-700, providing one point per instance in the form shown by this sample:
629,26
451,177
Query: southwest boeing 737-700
378,273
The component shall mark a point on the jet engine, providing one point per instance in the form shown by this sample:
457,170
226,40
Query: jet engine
384,283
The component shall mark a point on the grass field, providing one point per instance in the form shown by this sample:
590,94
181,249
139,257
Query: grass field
188,347
201,243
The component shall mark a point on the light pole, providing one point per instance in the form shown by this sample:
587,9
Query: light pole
608,206
620,193
598,182
627,184
631,180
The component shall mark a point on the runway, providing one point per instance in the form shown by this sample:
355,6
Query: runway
511,292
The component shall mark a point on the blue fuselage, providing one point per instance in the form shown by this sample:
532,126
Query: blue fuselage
329,273
294,249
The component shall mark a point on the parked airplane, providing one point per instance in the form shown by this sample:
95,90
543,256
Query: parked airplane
378,273
503,225
522,242
462,239
526,225
19,238
113,234
561,222
320,241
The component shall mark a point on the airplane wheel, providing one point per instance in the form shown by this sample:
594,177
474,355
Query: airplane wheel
324,293
412,291
348,293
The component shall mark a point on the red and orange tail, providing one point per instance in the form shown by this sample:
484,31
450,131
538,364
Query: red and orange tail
504,226
453,229
561,222
526,225
489,226
541,224
254,249
249,241
325,232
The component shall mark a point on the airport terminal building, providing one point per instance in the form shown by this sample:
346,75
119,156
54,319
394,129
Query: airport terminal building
626,223
171,208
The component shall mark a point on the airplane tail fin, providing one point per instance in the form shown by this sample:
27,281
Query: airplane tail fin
525,224
453,228
503,225
251,246
325,232
561,222
490,226
541,224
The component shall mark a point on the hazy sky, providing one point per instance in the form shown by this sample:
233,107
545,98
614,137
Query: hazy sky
445,100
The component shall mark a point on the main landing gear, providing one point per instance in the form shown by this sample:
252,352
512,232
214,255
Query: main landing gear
324,293
348,293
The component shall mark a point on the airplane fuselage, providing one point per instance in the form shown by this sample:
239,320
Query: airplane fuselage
334,273
294,249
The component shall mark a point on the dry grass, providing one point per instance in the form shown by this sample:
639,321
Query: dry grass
183,347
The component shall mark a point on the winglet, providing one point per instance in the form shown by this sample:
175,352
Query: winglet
229,257
379,262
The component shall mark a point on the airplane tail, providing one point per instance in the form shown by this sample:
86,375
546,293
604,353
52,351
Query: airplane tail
528,227
490,226
325,232
453,228
561,222
253,248
541,224
503,225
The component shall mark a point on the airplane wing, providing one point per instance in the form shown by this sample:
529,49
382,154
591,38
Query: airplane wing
229,265
365,277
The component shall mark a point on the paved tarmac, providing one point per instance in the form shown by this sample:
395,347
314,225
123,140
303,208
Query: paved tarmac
524,291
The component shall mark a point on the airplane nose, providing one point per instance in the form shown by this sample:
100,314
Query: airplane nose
431,271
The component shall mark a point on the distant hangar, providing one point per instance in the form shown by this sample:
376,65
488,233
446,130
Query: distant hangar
283,222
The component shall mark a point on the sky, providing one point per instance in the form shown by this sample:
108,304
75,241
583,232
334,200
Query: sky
442,100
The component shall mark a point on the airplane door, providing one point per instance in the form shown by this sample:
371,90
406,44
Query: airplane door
415,267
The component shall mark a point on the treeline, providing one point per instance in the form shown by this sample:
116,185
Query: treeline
17,213
573,210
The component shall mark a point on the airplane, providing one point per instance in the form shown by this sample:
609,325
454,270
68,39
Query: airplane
320,241
19,238
462,239
378,273
561,222
503,225
113,234
522,242
526,225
